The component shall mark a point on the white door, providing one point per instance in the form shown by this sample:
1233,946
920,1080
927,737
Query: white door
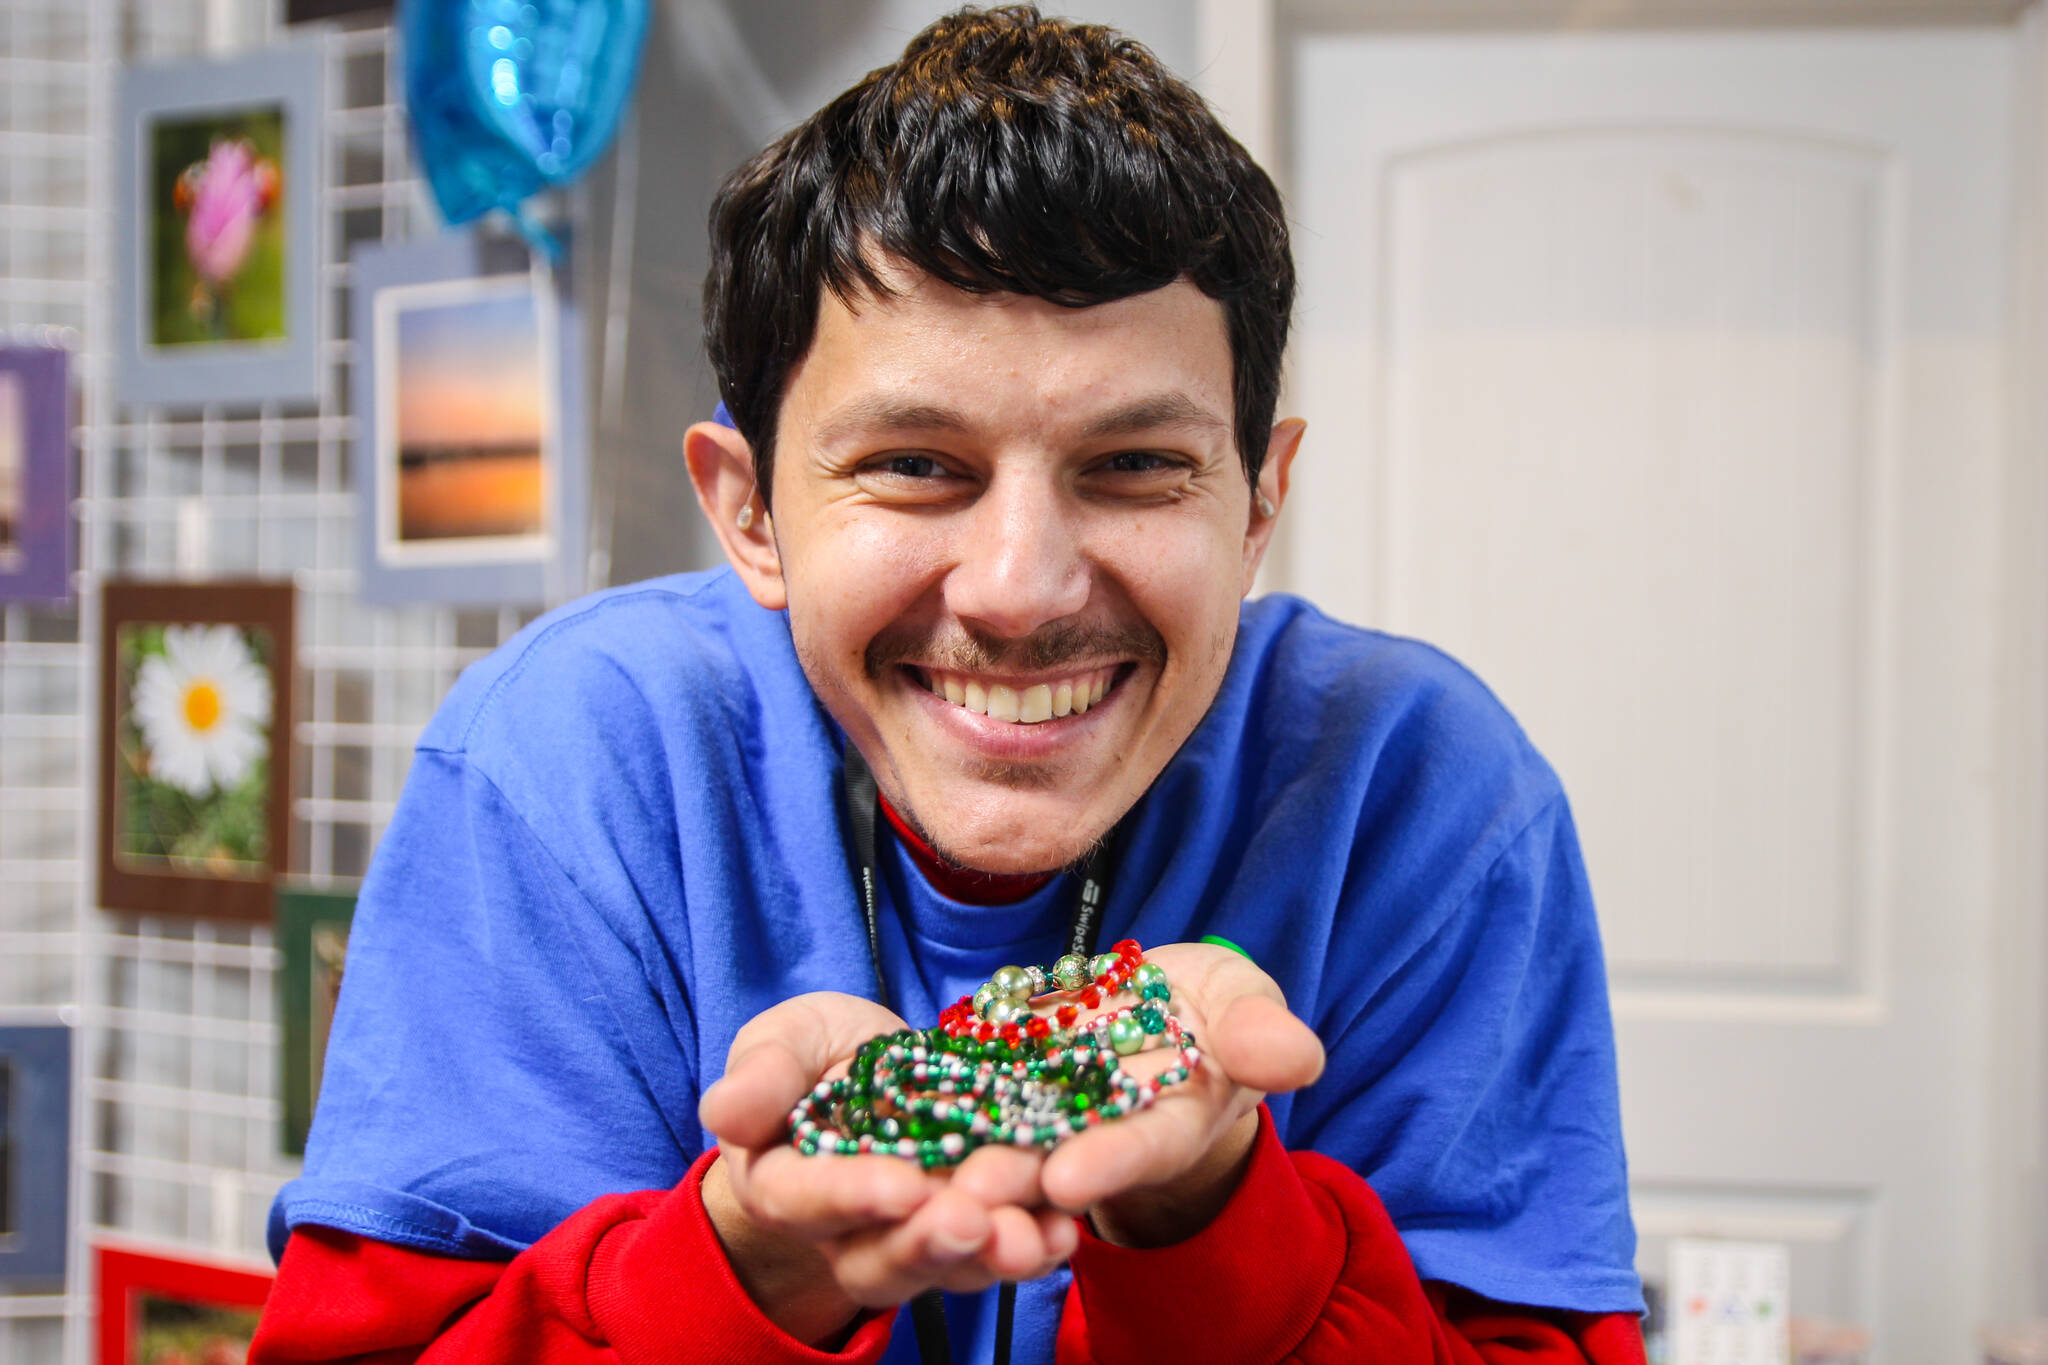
1659,377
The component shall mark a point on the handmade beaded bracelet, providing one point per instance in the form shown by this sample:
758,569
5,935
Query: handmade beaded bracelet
991,1074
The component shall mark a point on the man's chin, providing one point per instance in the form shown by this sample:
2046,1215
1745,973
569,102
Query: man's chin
1038,835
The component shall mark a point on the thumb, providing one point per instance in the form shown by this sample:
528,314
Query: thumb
779,1055
1261,1046
749,1105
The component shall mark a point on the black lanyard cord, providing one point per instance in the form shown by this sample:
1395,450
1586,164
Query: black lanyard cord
1084,930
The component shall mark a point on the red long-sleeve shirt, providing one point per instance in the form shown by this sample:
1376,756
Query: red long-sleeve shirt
1303,1265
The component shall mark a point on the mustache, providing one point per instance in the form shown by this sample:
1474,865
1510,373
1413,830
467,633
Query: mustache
962,649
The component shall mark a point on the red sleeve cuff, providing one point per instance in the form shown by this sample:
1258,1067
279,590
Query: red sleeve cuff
644,1269
1279,1234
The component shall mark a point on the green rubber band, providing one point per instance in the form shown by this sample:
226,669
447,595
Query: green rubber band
1222,942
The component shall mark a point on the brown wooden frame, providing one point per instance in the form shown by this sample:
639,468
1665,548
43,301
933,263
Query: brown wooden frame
269,606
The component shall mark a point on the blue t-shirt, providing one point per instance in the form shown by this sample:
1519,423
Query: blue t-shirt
622,839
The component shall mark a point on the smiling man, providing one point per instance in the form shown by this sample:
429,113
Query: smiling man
1011,537
999,331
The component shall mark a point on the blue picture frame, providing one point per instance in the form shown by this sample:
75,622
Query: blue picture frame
287,82
539,569
35,1156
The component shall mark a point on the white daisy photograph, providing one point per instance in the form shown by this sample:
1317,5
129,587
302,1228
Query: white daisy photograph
197,698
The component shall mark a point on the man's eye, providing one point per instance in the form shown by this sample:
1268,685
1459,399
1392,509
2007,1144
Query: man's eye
911,466
1139,462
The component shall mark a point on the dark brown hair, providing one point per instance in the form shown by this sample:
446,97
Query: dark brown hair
1004,151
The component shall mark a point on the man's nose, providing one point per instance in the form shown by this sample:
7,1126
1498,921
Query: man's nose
1020,562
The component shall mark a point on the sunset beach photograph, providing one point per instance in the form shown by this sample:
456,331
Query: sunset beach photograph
467,429
13,462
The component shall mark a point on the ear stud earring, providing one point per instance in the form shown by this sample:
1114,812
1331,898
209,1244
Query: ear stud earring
1266,507
746,517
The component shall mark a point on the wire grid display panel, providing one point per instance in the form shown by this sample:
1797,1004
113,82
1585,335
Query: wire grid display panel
181,1029
45,133
51,55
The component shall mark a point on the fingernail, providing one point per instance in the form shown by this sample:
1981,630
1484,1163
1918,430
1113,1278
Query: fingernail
952,1247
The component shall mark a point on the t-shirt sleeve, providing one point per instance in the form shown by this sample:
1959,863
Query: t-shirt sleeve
498,1060
1480,1099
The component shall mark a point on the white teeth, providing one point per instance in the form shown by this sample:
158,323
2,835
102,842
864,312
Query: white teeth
1026,706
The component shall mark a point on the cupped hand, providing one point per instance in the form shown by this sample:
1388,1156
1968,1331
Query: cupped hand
816,1238
1160,1175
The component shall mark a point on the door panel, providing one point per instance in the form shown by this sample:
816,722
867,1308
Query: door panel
1665,372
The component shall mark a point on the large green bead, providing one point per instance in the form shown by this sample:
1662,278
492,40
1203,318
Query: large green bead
1008,1012
984,997
1126,1035
1147,973
1071,972
1103,963
1013,982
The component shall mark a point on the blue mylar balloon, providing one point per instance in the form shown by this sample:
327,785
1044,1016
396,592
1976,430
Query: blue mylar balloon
511,96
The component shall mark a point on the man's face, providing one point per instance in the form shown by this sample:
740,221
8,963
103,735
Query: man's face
1012,538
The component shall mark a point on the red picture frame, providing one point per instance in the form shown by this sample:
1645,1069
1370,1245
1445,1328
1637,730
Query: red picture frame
130,1280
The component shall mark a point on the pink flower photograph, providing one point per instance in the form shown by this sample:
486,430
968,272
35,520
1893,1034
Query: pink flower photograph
217,231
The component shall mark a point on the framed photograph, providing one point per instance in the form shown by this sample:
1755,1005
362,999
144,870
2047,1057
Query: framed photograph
156,1310
471,462
35,1155
195,746
307,11
312,932
35,473
217,259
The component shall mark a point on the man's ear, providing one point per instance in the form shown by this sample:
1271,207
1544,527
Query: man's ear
722,471
1270,495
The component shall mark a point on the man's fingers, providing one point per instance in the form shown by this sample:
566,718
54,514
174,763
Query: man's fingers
1016,1245
779,1055
750,1104
818,1197
1262,1047
1061,1233
997,1174
1142,1149
889,1265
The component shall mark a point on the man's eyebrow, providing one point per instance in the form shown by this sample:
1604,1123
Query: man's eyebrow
870,415
867,415
1172,409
